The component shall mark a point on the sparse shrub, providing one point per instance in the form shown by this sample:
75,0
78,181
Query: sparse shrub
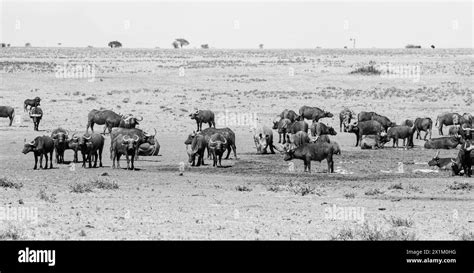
243,188
11,232
367,70
77,93
126,100
80,187
301,189
396,186
344,234
349,195
91,98
43,195
373,192
6,182
82,233
373,232
460,186
400,222
105,183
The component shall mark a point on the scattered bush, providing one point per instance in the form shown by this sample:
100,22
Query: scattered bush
11,232
373,192
243,188
81,187
396,186
400,222
349,195
6,182
373,232
367,70
460,186
105,183
43,195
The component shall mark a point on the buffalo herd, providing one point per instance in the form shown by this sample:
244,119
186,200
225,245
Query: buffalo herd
296,138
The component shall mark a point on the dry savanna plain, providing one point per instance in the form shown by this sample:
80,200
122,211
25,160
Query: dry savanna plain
253,197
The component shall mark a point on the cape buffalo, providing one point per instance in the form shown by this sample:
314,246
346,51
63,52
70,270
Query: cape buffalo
42,145
313,113
111,120
450,142
442,163
345,117
7,112
125,145
146,149
298,126
373,141
298,139
283,129
289,114
203,116
407,122
32,103
383,120
312,152
217,145
263,138
73,144
319,128
143,137
463,160
402,132
198,146
61,143
370,127
276,121
448,119
208,132
36,114
423,124
91,145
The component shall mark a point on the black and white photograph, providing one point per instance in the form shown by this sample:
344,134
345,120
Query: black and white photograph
238,120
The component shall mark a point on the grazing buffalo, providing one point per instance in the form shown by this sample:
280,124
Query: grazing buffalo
283,128
402,132
361,128
442,163
345,117
217,145
336,147
91,145
448,119
142,135
298,126
463,160
319,128
450,142
111,120
383,120
263,138
289,114
423,124
313,113
7,112
373,141
42,145
208,132
32,103
312,152
198,146
36,114
203,116
61,143
123,144
146,149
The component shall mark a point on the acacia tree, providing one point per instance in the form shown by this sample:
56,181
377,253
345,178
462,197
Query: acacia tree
114,44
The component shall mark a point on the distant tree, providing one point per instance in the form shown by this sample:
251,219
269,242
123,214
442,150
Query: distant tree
27,44
205,46
8,45
260,46
115,44
432,46
89,46
412,46
3,45
180,42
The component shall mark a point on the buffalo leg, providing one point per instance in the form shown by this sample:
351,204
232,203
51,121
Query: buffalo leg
36,163
41,161
128,161
279,137
100,157
95,159
228,152
11,120
83,159
118,160
46,157
440,129
51,160
133,160
330,164
284,138
220,159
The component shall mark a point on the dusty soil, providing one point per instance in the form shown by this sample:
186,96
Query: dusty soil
254,196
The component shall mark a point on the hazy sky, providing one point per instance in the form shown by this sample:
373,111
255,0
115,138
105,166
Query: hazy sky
284,24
